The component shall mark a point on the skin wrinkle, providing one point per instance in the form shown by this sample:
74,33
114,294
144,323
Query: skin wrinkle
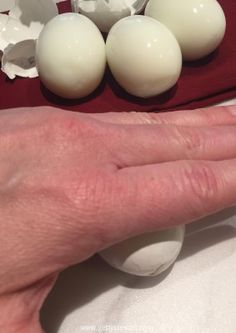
190,139
145,188
203,185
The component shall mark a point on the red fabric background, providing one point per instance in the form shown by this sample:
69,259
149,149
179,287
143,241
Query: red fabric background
202,83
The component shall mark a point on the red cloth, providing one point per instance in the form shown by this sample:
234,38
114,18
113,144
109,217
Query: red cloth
202,83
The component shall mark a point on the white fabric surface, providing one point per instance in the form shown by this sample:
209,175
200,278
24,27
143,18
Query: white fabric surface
198,295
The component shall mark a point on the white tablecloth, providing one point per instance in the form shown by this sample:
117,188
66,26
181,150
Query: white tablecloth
198,295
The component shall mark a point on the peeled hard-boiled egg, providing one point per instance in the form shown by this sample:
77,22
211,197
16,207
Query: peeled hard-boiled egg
148,254
143,56
198,25
70,56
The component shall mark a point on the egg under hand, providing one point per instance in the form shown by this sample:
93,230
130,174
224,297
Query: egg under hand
70,56
148,254
143,56
198,25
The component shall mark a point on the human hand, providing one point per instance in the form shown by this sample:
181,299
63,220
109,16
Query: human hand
73,184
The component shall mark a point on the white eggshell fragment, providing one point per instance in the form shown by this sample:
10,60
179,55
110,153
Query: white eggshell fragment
105,13
6,5
34,14
14,31
70,56
198,25
148,254
143,56
19,60
3,22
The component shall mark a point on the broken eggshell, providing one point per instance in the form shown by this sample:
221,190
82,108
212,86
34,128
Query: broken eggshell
12,31
58,1
14,51
3,22
18,32
19,59
6,5
105,13
34,14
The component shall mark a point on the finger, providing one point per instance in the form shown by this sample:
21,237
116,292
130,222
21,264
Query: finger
139,145
161,196
221,115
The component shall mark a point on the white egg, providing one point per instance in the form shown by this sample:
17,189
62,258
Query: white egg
70,56
198,25
148,254
143,56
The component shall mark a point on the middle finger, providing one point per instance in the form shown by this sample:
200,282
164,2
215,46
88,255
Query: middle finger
141,144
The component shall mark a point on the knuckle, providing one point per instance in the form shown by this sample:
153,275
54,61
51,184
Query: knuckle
216,116
62,123
202,183
148,118
191,140
66,126
154,118
208,116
